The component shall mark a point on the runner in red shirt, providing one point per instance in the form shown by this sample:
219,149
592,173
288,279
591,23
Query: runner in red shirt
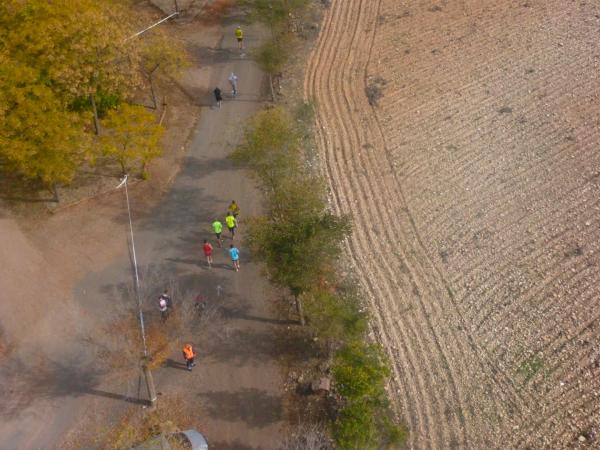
208,252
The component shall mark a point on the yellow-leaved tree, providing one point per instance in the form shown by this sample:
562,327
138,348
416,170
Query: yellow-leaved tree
39,139
132,137
79,48
161,57
58,59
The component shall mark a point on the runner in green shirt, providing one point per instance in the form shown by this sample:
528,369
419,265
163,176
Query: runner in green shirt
231,223
218,228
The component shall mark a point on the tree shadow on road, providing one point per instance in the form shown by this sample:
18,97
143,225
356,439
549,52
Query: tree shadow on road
23,383
255,407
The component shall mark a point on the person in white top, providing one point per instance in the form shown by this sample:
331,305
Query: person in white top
164,302
233,79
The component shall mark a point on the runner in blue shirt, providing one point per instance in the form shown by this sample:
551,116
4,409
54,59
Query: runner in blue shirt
235,257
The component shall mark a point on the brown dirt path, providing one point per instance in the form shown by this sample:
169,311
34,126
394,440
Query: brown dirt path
478,258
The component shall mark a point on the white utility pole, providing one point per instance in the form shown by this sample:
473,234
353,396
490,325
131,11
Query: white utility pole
146,370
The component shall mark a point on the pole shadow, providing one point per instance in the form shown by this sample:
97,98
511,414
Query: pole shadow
172,364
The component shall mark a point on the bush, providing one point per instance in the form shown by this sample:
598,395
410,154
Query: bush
336,316
355,427
270,148
360,371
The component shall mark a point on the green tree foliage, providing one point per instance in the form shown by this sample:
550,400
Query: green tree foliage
271,57
274,13
270,148
336,316
299,242
296,198
298,252
360,371
132,137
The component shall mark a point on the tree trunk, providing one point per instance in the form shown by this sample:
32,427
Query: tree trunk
300,309
150,76
95,111
150,79
149,384
271,86
54,192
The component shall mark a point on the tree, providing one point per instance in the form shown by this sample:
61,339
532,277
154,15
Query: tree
336,316
296,198
274,13
271,58
298,254
360,371
77,48
38,138
161,56
132,137
270,147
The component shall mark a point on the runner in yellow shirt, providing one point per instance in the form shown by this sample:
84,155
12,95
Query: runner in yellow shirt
231,223
239,35
235,209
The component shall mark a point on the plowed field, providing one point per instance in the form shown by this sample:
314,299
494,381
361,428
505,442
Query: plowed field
472,172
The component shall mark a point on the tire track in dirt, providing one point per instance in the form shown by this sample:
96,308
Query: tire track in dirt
419,373
377,204
505,200
403,384
332,162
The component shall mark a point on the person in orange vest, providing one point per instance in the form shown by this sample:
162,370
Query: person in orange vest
188,355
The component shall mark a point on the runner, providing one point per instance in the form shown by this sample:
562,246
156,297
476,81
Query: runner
164,305
163,308
235,257
233,79
218,96
165,295
235,209
231,223
208,249
239,35
218,228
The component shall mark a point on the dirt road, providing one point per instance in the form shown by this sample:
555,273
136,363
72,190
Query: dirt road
235,390
461,137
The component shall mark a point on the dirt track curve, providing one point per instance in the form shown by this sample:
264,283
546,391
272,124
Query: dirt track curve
473,186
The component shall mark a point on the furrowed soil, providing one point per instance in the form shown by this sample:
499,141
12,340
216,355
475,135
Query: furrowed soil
462,138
